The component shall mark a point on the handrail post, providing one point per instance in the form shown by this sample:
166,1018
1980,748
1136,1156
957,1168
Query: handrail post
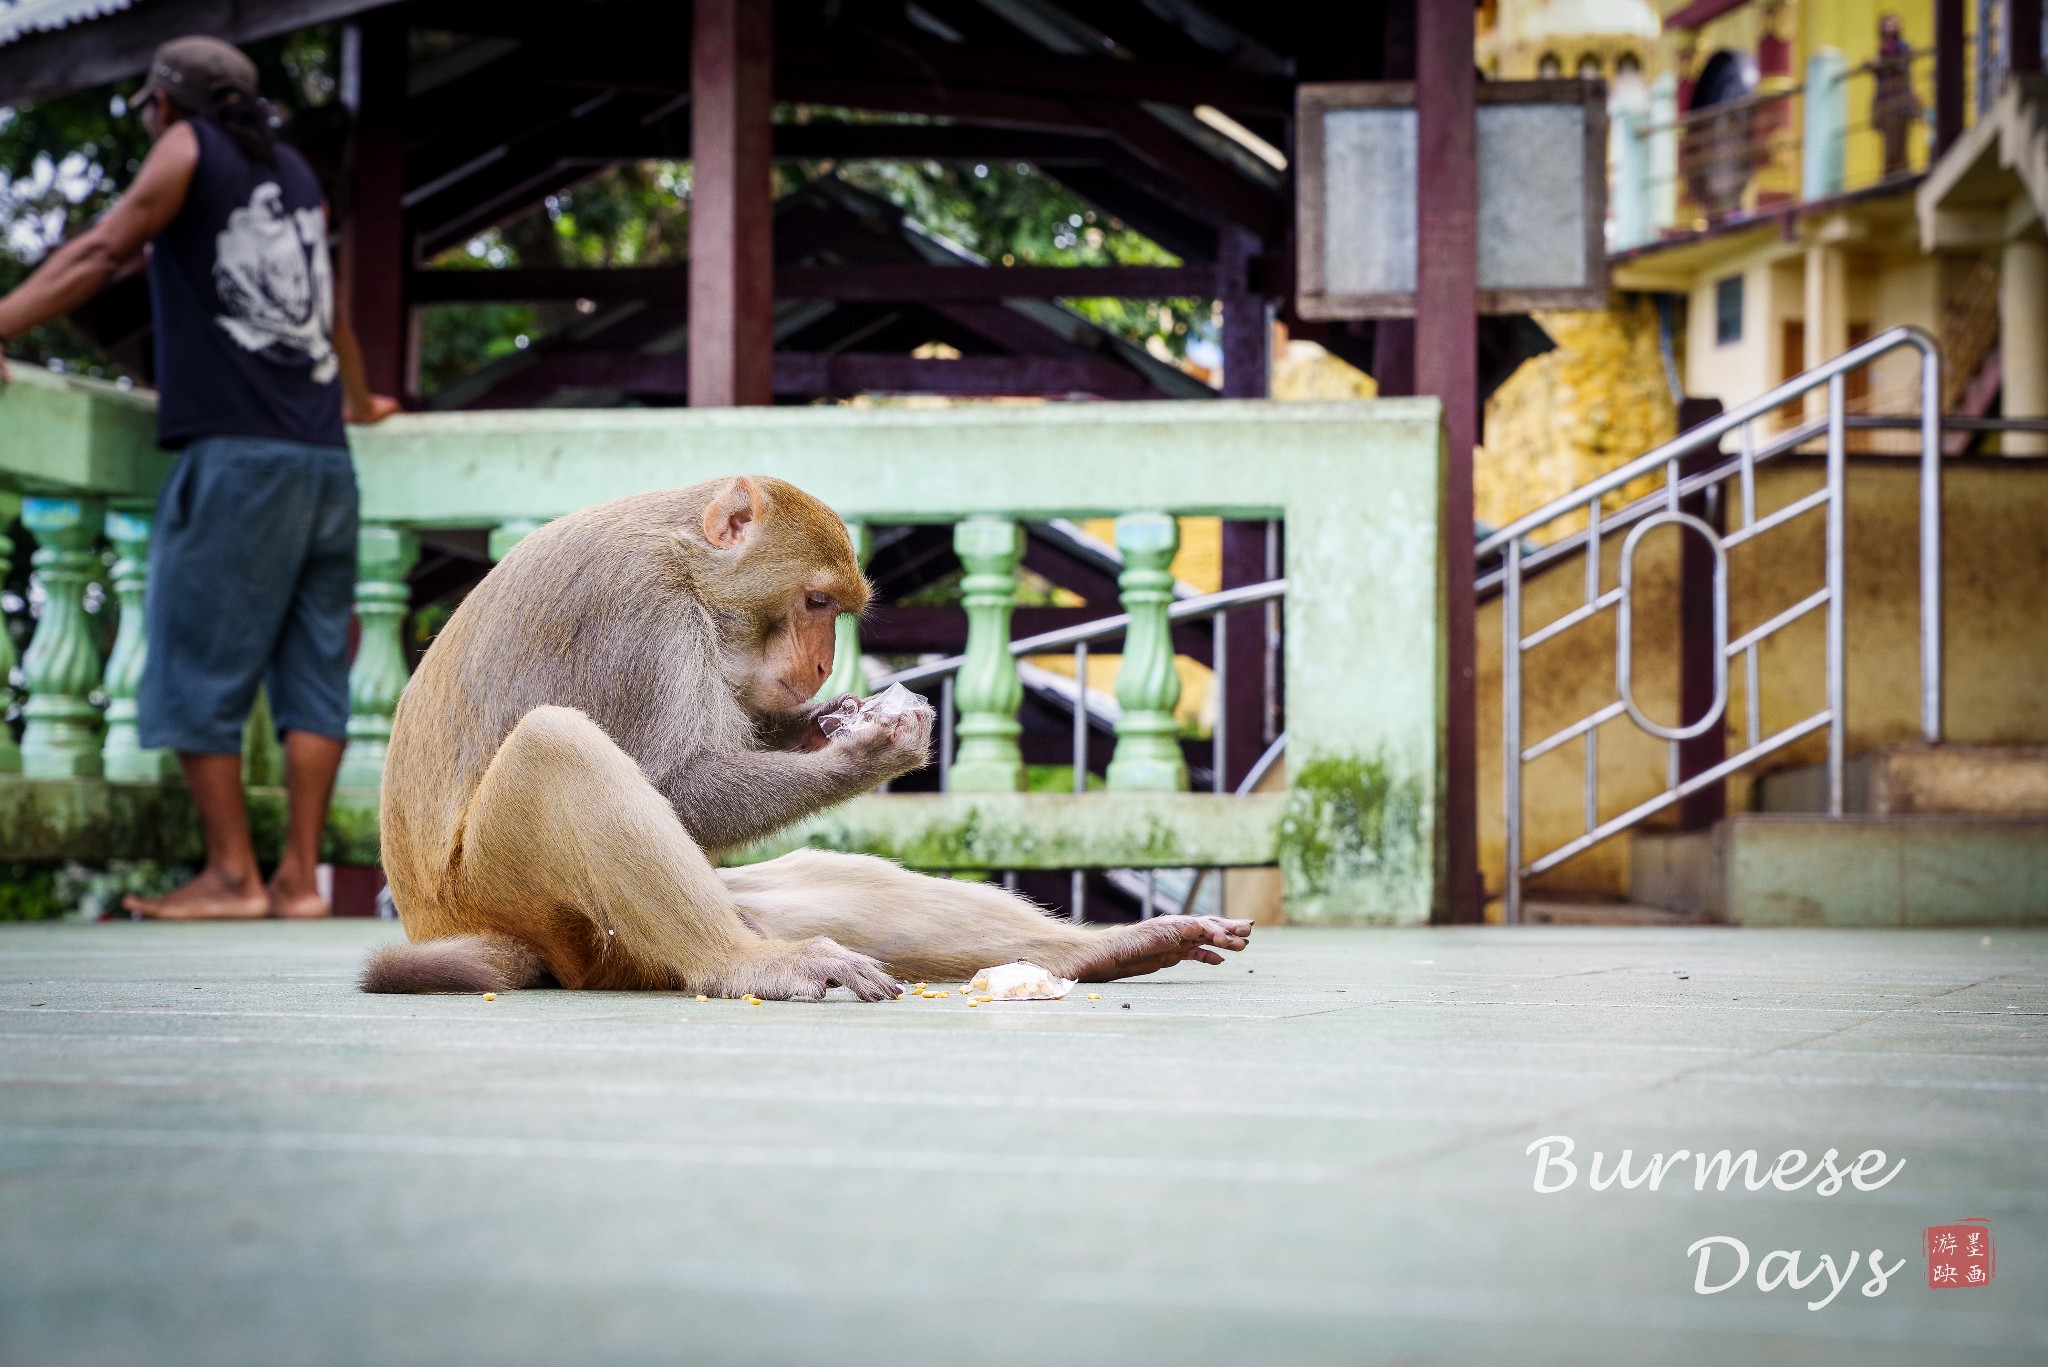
62,737
1837,576
384,555
10,753
1930,546
847,676
1148,756
1511,724
122,756
989,689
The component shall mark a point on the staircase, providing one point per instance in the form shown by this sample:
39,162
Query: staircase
1924,833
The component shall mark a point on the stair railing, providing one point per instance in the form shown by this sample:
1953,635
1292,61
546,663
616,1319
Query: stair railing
1664,506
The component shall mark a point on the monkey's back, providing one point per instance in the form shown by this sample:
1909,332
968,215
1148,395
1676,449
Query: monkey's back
593,611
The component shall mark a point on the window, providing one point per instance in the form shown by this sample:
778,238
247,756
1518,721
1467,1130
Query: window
1728,310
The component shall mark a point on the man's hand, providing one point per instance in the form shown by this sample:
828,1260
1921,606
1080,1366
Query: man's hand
371,408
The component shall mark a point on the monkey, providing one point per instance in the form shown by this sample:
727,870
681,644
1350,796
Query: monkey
631,693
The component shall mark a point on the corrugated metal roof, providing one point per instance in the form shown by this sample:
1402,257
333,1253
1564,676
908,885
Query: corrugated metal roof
19,18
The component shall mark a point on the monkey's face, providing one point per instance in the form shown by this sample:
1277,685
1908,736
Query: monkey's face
796,654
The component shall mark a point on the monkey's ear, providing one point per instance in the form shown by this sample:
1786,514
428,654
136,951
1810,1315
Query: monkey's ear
734,514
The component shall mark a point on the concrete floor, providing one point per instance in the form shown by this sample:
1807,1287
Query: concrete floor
213,1151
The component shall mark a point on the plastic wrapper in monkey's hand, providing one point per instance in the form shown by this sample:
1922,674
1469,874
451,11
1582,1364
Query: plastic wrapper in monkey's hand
860,718
887,735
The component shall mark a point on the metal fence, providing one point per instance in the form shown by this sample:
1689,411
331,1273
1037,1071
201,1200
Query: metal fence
1520,554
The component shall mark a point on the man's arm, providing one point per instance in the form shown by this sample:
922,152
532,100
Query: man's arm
82,267
358,404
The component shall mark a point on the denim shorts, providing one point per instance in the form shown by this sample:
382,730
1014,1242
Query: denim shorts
252,573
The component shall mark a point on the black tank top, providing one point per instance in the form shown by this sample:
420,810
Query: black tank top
244,301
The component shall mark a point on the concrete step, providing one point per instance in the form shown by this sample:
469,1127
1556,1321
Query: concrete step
1790,870
1921,780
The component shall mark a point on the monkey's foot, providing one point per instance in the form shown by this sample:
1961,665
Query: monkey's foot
803,971
1148,946
208,897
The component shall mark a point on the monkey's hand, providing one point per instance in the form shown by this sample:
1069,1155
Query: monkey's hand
891,746
803,971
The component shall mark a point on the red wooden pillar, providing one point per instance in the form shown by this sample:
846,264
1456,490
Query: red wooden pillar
1696,663
1247,374
1949,73
1446,365
374,249
732,284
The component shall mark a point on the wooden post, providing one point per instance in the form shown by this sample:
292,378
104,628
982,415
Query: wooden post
1148,756
1446,365
122,756
1950,73
1247,374
1696,632
2023,36
732,288
383,556
62,666
988,691
374,248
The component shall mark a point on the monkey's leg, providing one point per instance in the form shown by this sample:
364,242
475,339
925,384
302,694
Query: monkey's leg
567,847
936,928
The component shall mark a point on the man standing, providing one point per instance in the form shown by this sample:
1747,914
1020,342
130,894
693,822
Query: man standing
252,569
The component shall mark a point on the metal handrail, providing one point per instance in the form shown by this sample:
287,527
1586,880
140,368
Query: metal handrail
1666,506
1208,605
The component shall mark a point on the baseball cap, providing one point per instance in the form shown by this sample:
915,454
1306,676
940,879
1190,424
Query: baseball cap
194,72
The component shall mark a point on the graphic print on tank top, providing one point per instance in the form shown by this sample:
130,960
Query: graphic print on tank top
271,270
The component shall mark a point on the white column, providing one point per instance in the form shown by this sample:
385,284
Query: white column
2023,339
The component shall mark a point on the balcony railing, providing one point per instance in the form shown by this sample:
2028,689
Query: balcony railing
1356,486
1840,130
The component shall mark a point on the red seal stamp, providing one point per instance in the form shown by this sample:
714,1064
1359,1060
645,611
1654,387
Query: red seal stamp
1959,1254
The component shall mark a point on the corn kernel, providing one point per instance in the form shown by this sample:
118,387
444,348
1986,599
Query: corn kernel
490,996
702,998
984,999
1095,996
942,994
927,993
972,1005
751,1000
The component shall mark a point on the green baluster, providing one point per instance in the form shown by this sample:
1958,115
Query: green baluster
988,690
846,671
10,753
62,739
384,554
506,535
1148,756
122,754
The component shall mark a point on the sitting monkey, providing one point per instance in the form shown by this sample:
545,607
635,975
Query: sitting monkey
629,693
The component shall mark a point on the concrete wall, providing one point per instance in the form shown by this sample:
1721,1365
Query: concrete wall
1996,645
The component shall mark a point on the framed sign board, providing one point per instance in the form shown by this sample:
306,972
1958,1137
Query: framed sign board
1542,197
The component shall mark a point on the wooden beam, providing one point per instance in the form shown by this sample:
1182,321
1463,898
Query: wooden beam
1447,365
806,374
1247,374
1152,142
1096,78
876,283
935,142
374,246
732,289
94,52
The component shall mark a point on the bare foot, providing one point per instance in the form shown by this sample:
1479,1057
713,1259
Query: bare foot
211,896
803,971
1148,946
296,904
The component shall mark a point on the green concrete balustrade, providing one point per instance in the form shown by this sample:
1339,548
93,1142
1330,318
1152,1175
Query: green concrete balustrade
1148,757
847,676
62,666
122,754
1358,485
383,556
988,690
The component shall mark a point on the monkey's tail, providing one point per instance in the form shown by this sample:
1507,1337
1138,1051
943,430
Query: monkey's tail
456,963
